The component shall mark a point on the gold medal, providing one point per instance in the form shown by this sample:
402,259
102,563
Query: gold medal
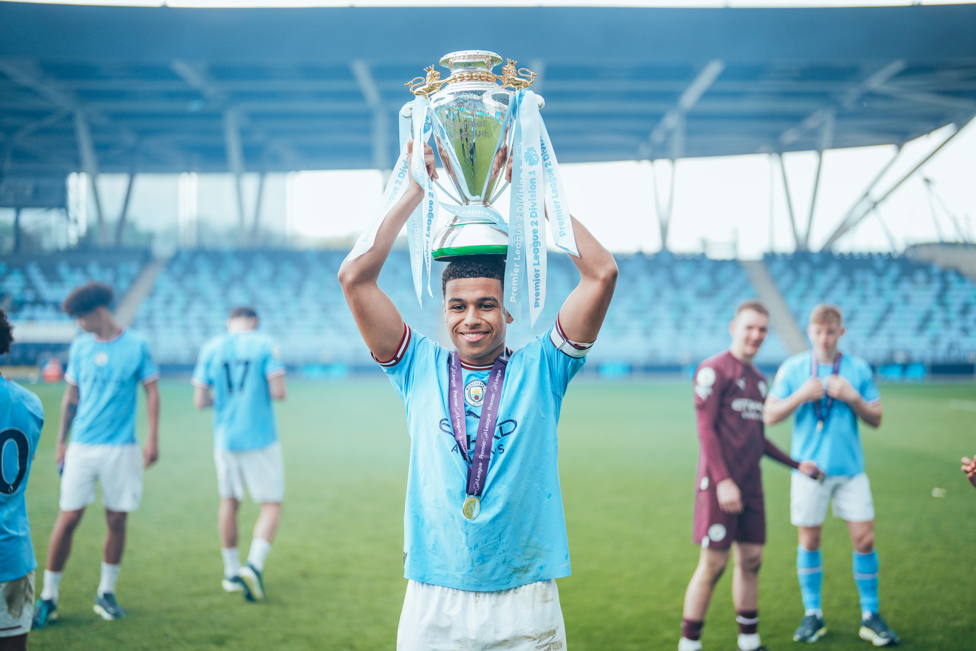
472,507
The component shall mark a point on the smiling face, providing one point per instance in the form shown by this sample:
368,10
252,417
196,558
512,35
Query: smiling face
749,329
475,318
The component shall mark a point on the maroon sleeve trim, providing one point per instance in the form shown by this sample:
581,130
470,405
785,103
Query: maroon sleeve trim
401,350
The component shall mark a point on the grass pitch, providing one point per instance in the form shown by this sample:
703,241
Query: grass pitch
627,466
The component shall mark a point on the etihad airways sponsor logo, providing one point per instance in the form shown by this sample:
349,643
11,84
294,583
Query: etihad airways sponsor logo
750,409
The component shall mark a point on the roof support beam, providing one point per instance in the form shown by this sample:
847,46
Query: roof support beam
256,224
826,141
799,242
124,213
850,220
89,165
235,161
374,100
674,117
921,97
820,116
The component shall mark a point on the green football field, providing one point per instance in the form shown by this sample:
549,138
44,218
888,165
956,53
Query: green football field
627,465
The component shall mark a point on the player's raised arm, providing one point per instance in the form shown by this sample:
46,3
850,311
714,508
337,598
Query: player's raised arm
779,409
582,314
376,316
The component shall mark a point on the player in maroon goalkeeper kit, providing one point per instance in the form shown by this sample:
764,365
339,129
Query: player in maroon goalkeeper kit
729,508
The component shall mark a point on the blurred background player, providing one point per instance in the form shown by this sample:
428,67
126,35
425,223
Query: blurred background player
105,365
969,467
828,391
729,503
239,373
21,421
462,590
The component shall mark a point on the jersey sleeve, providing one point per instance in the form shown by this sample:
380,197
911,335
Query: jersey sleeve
272,361
147,367
867,387
710,385
71,373
402,367
563,357
201,372
784,384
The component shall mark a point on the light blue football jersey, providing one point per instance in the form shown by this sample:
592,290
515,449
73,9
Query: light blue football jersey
837,449
21,420
107,374
237,368
519,537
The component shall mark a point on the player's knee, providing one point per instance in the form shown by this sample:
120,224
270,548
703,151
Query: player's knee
115,520
68,520
864,542
751,564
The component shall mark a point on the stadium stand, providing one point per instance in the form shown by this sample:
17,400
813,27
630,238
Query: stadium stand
669,310
897,311
32,288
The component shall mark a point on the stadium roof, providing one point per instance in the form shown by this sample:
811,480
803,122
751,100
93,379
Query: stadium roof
122,89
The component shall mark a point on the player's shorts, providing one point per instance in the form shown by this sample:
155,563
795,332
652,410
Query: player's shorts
716,529
261,471
17,606
118,468
526,618
851,497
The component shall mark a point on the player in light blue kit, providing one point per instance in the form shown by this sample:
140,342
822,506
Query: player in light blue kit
828,391
484,530
21,420
105,367
239,373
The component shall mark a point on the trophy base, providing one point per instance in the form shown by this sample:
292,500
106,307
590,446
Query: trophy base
461,239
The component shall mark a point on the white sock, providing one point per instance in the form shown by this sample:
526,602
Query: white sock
232,561
814,611
51,582
259,552
865,614
110,574
684,644
748,642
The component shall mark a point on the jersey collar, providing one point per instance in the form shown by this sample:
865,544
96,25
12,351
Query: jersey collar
111,339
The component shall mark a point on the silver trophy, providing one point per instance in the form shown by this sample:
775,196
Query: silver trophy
473,129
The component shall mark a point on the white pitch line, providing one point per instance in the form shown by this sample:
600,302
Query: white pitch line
965,405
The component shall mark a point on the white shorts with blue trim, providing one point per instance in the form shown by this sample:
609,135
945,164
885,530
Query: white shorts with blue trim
118,468
526,618
851,497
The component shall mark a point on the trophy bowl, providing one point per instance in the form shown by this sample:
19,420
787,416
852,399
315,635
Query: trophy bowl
473,127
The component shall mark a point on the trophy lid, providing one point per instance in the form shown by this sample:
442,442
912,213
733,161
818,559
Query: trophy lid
470,59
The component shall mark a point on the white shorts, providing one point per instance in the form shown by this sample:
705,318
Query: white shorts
17,606
261,471
851,497
118,468
526,618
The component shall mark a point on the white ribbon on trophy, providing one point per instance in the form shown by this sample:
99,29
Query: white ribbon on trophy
421,222
535,176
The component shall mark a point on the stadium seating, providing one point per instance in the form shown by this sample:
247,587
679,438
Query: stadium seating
32,288
669,310
895,310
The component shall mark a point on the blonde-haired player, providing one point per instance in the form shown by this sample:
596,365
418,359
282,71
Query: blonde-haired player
828,392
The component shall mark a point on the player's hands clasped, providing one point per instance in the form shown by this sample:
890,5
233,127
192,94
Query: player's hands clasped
839,388
811,470
428,161
969,467
812,390
729,496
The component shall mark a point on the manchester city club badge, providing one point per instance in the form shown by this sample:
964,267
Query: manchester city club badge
474,393
472,507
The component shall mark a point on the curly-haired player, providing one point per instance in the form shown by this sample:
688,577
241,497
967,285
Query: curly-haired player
105,365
